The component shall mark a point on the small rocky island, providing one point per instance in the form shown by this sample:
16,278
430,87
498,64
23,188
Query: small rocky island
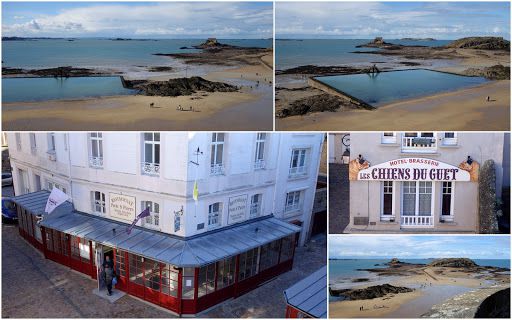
371,292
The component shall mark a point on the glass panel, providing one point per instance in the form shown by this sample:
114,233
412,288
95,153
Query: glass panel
409,198
425,198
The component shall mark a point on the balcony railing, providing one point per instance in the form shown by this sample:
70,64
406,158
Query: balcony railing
217,169
150,168
96,162
297,171
259,164
417,221
419,144
292,207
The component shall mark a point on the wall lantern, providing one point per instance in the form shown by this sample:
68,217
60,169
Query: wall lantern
345,158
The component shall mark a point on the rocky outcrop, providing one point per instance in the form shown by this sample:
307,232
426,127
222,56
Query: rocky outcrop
484,43
159,69
212,43
378,42
394,261
321,70
59,72
369,292
496,72
453,263
178,87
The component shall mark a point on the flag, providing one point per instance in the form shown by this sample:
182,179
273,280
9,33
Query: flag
195,195
56,198
141,215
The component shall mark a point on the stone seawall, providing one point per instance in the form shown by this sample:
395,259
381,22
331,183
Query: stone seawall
338,93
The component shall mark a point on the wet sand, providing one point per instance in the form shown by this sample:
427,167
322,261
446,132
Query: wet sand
250,109
436,288
464,109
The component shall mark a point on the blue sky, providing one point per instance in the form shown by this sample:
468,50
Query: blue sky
408,246
138,19
439,20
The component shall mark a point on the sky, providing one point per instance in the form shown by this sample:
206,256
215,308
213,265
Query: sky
420,247
138,19
392,20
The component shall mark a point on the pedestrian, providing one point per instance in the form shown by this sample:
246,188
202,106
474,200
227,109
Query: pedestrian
108,274
488,98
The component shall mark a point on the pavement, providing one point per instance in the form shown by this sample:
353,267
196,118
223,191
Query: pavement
35,287
339,197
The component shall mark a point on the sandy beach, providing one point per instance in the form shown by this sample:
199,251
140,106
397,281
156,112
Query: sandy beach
464,109
248,109
432,285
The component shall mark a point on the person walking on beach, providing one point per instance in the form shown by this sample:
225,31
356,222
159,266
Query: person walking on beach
108,274
488,98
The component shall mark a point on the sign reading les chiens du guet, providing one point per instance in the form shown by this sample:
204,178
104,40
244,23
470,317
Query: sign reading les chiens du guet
122,207
413,169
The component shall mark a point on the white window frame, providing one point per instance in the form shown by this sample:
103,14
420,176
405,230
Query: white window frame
153,220
417,198
51,142
452,201
151,166
259,153
407,142
385,139
98,198
96,146
51,184
215,217
391,216
299,170
33,143
255,209
296,203
449,141
216,165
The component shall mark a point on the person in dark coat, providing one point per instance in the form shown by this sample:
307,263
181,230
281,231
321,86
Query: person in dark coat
108,274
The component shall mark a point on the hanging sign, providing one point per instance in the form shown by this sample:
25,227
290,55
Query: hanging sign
122,207
237,208
413,169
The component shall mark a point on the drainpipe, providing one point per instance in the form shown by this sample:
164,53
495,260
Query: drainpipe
66,137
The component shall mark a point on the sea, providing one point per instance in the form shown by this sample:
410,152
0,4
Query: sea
333,52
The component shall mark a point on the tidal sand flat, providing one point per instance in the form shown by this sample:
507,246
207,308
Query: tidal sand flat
410,288
80,80
350,82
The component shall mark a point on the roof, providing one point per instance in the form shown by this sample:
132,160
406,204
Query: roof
310,294
194,251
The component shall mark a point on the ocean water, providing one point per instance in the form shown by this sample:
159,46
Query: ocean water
328,52
386,87
102,53
41,89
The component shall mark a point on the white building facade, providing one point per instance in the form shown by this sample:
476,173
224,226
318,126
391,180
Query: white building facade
421,181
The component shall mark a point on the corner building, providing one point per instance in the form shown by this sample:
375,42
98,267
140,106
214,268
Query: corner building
255,199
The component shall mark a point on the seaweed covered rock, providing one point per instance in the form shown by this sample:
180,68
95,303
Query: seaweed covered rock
453,263
488,209
182,87
369,292
483,43
496,72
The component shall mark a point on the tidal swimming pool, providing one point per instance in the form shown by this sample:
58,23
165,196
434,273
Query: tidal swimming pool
386,87
42,89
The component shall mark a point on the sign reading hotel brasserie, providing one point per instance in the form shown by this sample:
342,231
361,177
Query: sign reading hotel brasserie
413,169
122,207
237,208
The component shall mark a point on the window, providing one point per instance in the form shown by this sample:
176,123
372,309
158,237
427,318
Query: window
225,272
206,280
255,206
450,139
292,201
121,262
80,249
298,163
151,163
387,198
177,222
153,220
188,283
151,274
98,202
17,137
388,137
170,280
446,201
96,149
259,157
269,256
51,185
23,181
287,246
135,269
37,179
425,142
214,214
217,150
51,142
33,143
248,264
417,198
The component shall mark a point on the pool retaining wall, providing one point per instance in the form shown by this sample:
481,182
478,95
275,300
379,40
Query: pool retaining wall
338,93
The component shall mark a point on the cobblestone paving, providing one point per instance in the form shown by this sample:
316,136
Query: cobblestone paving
339,197
34,287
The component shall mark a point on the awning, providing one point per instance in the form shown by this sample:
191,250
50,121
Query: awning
181,252
310,294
